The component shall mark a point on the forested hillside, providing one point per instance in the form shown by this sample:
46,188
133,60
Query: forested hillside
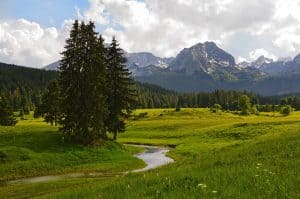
23,86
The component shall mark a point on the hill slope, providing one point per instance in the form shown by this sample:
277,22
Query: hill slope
23,86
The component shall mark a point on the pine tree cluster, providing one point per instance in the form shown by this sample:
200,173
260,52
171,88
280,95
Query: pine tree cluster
95,89
6,114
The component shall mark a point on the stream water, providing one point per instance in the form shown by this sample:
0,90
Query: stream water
153,156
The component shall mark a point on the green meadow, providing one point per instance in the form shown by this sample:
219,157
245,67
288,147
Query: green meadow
217,155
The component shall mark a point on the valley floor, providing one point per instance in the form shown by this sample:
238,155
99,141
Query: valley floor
217,155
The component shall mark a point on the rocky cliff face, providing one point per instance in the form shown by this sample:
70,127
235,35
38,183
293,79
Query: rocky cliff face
144,59
204,58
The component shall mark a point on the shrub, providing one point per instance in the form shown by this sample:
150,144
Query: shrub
177,107
3,157
286,110
215,108
254,110
140,116
244,105
143,115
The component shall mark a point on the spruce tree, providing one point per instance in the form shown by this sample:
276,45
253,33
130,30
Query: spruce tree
95,77
7,117
120,93
50,104
69,82
82,80
25,101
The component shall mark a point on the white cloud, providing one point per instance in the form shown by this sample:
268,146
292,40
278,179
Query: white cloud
96,12
241,59
164,27
26,43
261,52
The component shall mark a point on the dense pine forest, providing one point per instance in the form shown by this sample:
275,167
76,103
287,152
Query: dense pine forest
24,87
152,96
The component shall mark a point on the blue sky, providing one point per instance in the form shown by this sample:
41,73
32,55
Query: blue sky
45,12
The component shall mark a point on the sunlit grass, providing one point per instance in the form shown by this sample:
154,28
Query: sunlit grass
219,155
33,148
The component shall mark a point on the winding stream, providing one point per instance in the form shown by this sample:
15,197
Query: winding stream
153,156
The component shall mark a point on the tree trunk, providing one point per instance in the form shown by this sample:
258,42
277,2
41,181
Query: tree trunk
115,135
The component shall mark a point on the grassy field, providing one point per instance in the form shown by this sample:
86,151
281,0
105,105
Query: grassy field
218,155
34,148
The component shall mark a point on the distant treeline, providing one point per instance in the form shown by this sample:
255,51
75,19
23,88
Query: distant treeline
152,96
23,87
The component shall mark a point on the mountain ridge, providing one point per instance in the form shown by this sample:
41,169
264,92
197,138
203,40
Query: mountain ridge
206,67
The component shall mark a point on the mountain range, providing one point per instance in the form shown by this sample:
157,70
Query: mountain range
206,67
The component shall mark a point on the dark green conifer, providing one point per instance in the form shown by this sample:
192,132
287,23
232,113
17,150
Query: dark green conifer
50,104
121,96
7,117
82,80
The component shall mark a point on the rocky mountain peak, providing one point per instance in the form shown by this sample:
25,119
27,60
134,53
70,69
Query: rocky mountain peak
144,59
260,61
243,64
202,57
297,59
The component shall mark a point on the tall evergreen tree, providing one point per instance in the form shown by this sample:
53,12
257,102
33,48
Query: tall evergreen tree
95,75
82,79
70,84
121,96
50,104
6,114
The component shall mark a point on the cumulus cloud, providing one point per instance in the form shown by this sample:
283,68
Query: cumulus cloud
96,12
24,42
247,29
165,27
